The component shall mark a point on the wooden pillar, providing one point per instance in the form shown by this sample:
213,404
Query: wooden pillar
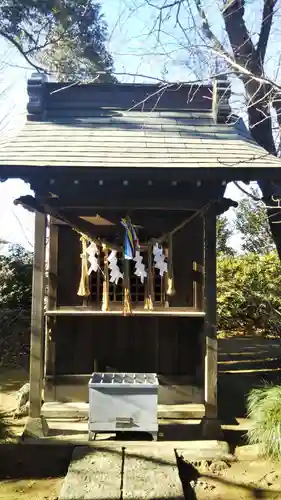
49,368
187,247
211,425
36,426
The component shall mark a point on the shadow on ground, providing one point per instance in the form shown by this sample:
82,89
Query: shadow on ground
33,461
19,461
245,363
168,431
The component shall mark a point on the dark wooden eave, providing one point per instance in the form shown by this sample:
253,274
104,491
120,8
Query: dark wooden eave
30,203
225,173
151,224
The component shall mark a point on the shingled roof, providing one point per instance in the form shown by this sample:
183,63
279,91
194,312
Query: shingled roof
131,125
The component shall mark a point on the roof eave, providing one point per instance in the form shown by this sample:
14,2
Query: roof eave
227,173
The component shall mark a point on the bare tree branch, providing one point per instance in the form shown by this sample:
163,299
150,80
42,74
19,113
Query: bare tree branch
242,46
206,28
245,60
244,191
22,52
165,5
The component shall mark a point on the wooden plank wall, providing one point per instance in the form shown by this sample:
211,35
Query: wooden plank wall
69,267
166,345
187,248
136,344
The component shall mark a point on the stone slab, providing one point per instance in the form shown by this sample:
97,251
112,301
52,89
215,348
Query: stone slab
112,474
151,475
93,475
138,470
35,428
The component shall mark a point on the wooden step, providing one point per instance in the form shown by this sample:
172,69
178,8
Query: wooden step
181,412
57,410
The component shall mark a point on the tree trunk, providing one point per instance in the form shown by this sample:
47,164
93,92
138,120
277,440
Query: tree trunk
260,124
260,97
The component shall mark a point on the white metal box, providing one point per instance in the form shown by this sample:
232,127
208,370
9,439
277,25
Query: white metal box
120,402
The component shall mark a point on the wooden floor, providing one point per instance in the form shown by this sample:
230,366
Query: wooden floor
191,312
57,410
68,422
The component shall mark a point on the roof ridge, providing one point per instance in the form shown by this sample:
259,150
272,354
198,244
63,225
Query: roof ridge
50,97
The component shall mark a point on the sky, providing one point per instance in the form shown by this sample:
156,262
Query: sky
137,49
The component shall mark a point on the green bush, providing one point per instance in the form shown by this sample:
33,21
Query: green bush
15,306
248,293
264,410
14,337
16,278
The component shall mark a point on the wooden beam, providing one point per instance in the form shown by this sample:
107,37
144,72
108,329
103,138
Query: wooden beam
80,225
107,235
150,224
51,304
203,173
197,282
210,318
124,202
152,209
73,193
183,198
52,264
37,317
31,174
180,411
118,311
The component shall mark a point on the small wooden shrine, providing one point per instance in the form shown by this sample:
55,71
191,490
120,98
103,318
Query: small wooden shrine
128,180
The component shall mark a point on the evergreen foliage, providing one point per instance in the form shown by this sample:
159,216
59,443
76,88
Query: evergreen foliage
67,38
264,410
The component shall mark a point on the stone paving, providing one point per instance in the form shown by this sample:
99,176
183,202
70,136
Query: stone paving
132,471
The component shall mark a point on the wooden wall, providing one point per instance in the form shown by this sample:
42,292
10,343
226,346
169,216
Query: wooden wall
187,247
165,345
171,346
69,267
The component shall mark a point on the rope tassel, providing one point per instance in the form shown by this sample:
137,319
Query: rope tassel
84,287
149,299
105,285
170,281
127,307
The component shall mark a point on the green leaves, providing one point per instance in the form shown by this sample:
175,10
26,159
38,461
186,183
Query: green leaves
264,410
66,38
15,279
248,293
224,232
252,224
15,306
